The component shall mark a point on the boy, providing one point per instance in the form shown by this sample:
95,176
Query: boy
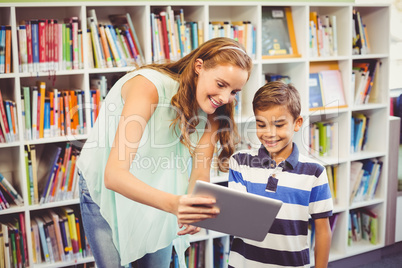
278,171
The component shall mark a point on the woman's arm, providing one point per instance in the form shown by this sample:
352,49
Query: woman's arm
322,242
141,98
203,154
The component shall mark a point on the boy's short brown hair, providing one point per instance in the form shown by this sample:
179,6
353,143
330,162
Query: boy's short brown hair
278,93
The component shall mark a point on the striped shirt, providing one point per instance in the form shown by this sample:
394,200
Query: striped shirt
302,184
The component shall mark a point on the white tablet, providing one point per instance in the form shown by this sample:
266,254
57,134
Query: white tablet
241,214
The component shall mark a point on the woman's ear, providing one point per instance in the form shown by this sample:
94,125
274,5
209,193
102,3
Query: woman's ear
198,66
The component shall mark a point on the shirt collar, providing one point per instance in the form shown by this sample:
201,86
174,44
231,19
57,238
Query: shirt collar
290,162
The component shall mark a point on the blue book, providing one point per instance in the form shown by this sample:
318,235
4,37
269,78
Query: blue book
9,121
53,153
2,48
35,44
42,236
46,124
315,91
194,29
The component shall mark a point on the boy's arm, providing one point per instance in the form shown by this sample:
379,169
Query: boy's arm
322,242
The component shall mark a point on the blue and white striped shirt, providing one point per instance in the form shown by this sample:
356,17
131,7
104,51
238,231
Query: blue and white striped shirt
302,185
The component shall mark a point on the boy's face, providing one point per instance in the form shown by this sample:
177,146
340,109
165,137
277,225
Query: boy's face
275,130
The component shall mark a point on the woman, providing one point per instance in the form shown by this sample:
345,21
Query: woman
134,167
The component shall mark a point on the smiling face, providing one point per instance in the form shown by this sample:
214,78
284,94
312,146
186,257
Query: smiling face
218,86
275,130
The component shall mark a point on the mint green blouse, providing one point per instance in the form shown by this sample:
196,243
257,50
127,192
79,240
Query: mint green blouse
161,161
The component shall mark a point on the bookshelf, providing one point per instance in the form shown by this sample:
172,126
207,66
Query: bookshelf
376,18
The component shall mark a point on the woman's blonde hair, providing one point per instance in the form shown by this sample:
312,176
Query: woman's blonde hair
217,51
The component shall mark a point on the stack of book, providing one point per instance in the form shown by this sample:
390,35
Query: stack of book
241,31
8,120
113,45
364,178
364,79
360,128
323,35
8,194
50,45
324,139
361,44
53,112
13,242
51,173
172,36
58,235
363,225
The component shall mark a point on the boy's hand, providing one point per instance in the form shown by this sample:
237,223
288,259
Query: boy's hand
190,209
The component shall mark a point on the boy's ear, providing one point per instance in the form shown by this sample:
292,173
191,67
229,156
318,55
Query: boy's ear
298,123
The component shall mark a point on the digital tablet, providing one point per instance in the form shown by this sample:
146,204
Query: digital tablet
241,214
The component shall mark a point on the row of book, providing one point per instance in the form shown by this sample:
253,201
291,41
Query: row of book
324,139
115,44
365,79
51,173
242,31
363,225
58,236
364,178
360,40
50,45
194,256
5,49
323,35
8,194
53,112
8,120
172,36
13,242
359,128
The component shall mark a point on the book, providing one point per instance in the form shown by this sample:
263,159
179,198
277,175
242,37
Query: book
6,185
43,240
47,167
278,35
36,247
315,91
7,63
326,88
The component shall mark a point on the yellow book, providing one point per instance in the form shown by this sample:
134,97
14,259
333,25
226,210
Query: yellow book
42,92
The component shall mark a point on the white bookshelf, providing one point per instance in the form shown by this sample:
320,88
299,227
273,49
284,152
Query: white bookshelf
376,16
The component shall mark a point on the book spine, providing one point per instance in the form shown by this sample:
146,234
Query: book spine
22,45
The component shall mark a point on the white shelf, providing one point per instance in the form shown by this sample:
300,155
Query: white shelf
376,16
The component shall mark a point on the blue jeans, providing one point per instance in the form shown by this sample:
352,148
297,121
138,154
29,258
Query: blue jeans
99,236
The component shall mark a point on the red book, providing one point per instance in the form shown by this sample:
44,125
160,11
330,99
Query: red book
56,45
3,120
29,45
165,35
50,43
42,46
24,239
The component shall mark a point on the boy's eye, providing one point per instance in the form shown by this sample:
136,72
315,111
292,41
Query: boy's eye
220,85
279,125
234,92
260,125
